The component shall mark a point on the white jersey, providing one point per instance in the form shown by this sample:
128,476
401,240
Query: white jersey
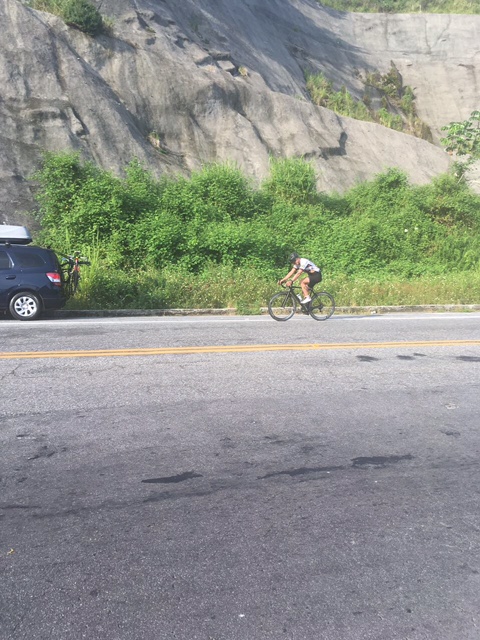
306,265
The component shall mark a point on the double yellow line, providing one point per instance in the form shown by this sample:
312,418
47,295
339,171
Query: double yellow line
253,348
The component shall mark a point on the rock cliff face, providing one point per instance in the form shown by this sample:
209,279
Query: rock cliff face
178,84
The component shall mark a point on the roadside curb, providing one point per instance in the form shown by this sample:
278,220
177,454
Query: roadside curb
115,313
373,310
426,308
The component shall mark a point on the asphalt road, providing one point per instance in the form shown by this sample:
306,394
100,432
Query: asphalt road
322,485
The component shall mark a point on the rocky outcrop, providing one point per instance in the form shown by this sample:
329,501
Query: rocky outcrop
178,84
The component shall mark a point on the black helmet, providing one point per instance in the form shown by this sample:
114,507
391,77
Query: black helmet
293,256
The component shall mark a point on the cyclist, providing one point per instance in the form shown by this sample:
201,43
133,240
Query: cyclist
300,266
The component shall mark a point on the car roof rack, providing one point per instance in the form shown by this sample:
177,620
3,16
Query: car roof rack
14,234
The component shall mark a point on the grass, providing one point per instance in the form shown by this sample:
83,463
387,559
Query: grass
460,288
405,6
248,290
81,14
398,111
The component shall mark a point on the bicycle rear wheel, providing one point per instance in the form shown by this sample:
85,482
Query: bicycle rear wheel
322,306
67,284
282,306
74,281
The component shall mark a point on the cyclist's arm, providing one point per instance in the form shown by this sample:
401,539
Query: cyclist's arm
287,277
299,273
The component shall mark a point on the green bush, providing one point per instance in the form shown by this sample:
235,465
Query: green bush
291,180
149,233
83,15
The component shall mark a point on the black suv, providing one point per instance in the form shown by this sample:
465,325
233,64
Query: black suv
30,277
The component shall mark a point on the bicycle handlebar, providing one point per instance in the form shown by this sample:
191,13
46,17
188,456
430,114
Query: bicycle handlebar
72,259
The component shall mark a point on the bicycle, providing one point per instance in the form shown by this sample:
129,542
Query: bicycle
70,267
284,304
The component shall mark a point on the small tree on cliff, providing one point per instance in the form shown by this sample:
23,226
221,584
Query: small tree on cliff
463,140
83,15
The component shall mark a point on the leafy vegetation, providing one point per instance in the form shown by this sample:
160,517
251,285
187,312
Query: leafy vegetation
463,138
324,95
397,109
405,6
215,240
81,14
463,141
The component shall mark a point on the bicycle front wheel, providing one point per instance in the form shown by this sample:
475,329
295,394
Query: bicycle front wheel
282,306
322,306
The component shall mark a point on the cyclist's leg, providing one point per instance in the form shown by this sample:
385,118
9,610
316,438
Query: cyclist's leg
312,280
305,284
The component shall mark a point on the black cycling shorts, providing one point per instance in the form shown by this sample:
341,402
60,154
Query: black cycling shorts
314,278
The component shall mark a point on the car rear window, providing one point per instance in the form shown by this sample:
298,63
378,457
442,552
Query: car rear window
4,260
25,259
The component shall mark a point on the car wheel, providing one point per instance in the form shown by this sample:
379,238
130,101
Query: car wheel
25,306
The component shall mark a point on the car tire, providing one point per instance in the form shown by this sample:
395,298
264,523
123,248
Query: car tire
25,306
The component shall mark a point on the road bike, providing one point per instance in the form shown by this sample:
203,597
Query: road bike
70,266
284,304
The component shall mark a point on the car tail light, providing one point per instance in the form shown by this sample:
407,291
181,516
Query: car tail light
55,278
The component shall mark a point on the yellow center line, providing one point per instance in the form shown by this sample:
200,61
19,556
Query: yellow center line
163,351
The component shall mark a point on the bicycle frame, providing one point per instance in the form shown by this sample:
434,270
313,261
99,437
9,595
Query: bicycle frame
293,288
71,272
